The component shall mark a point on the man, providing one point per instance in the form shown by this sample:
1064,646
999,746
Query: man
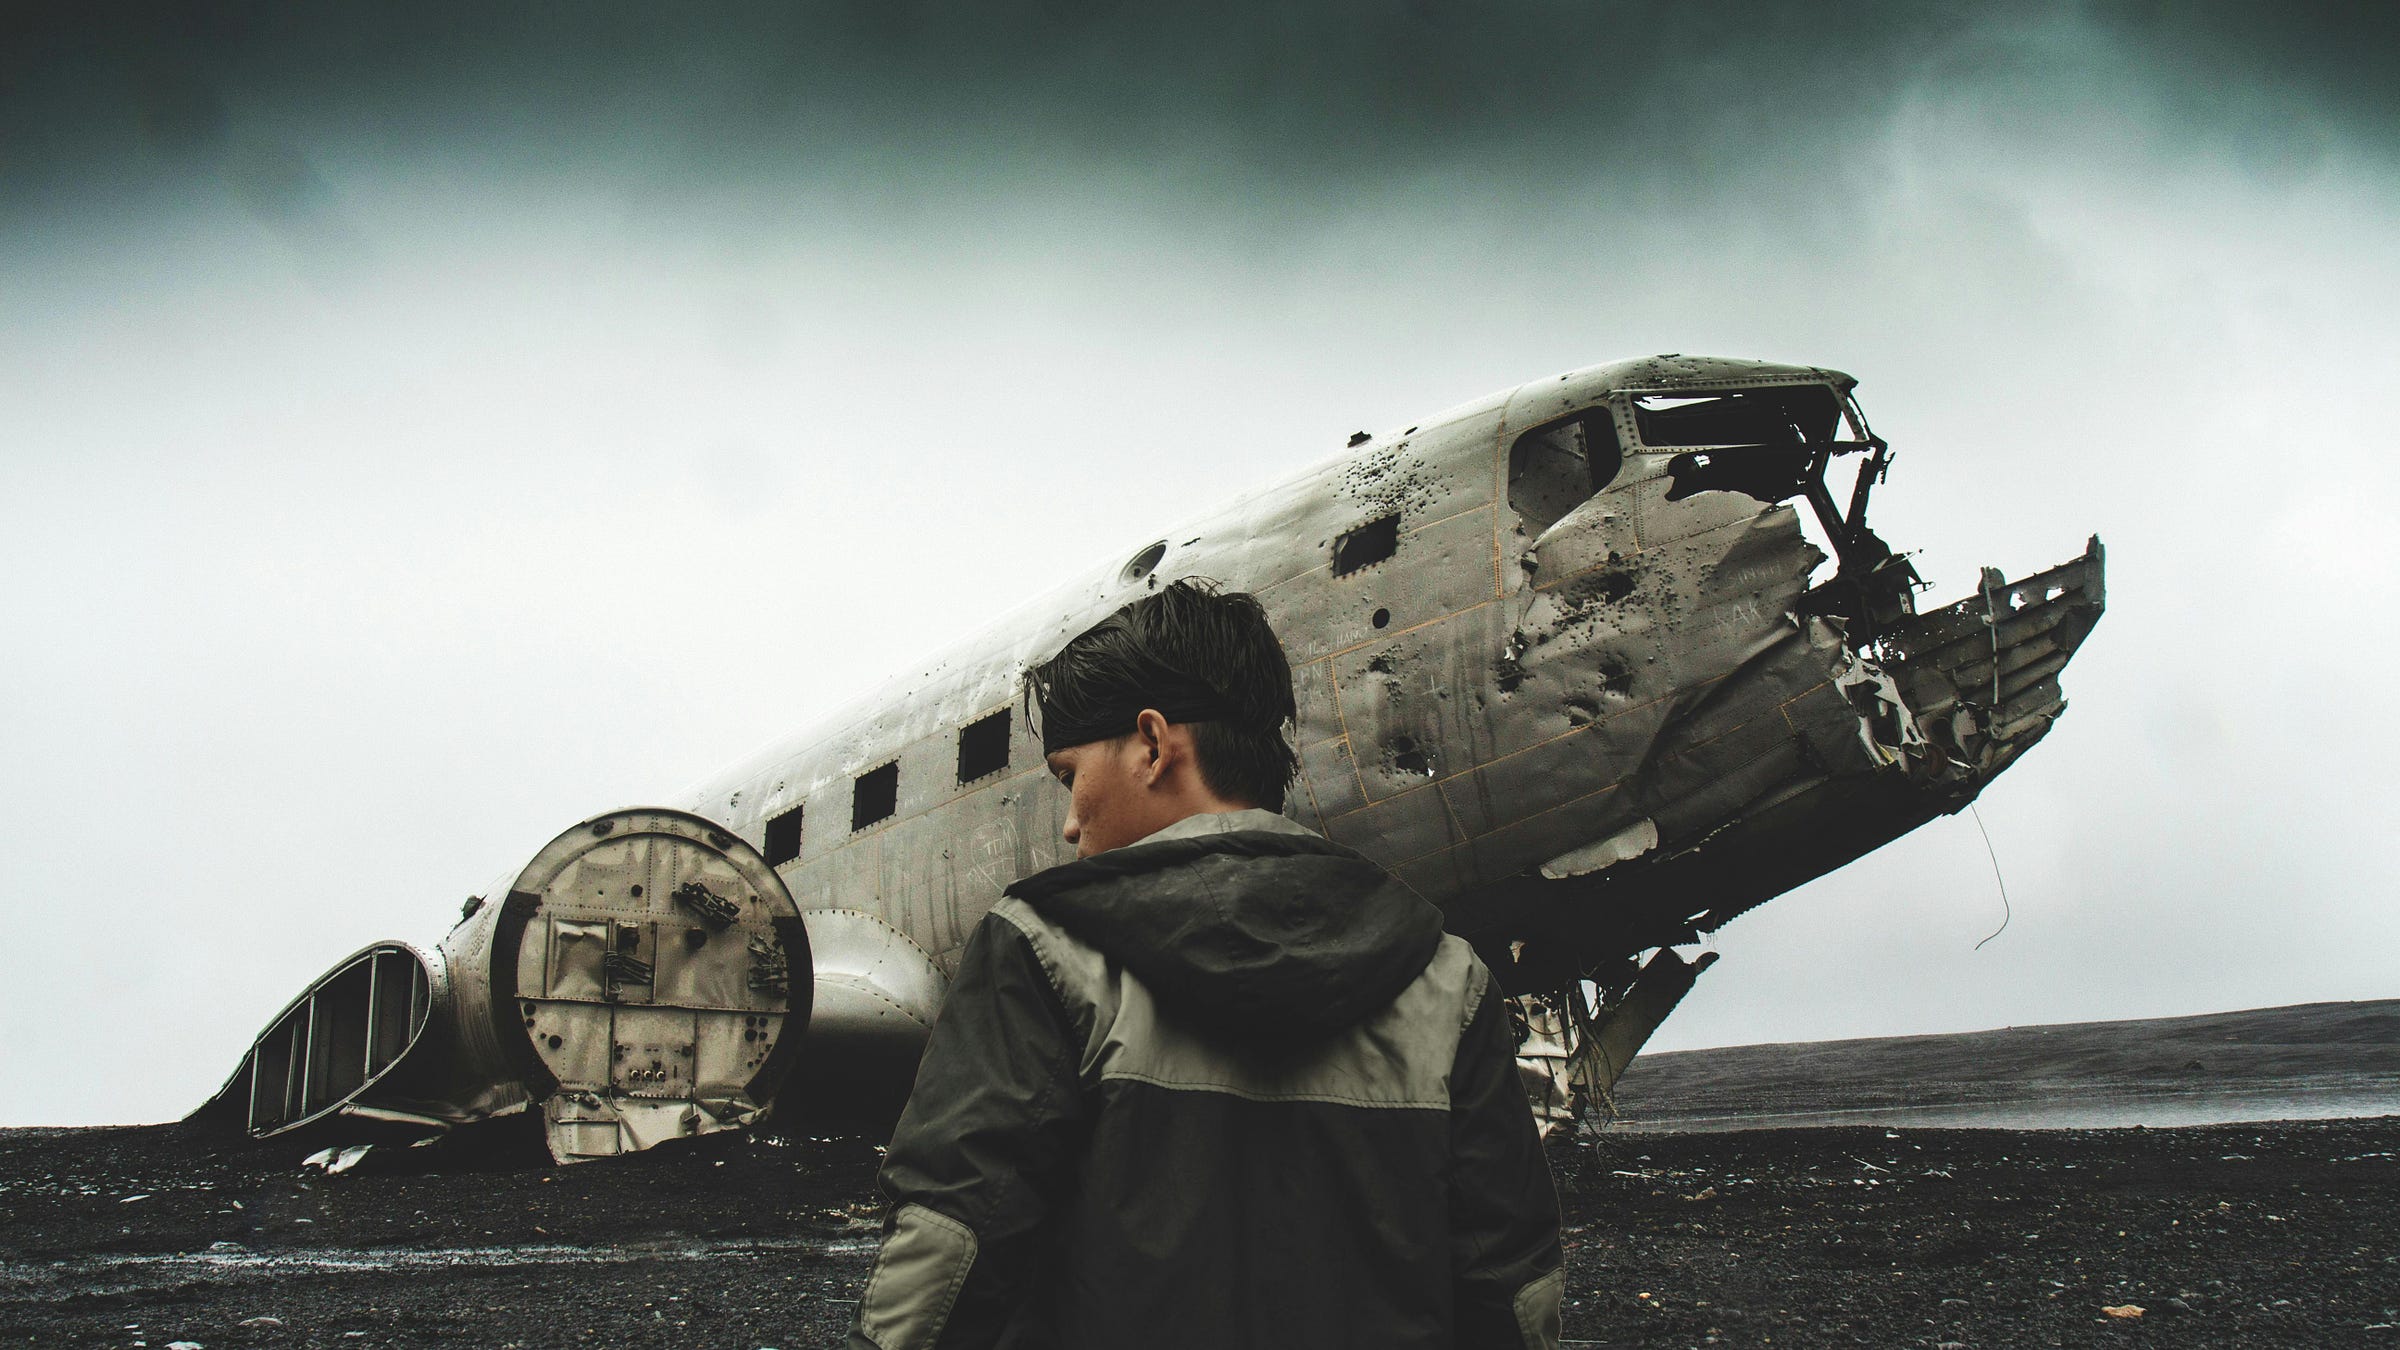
1219,1082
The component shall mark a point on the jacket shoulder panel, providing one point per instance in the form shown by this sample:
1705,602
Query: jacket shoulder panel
1084,979
1399,1057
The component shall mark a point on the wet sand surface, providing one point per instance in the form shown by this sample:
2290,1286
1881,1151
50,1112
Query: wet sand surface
1687,1224
2236,1235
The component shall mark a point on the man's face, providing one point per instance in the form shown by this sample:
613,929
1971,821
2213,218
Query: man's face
1109,793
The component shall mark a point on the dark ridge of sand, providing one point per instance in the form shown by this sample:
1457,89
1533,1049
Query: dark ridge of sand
2311,1059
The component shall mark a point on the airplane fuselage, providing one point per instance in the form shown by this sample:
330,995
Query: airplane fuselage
1564,662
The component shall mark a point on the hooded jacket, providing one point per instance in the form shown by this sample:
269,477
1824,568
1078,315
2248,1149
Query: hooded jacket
1230,1086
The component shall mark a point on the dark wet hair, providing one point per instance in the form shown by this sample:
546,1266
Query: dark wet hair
1199,656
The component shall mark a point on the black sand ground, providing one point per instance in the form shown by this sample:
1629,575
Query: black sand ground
2231,1235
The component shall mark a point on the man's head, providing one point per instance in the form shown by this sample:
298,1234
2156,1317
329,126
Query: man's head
1171,706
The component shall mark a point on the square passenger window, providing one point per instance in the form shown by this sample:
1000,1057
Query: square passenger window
783,838
983,747
876,796
1367,545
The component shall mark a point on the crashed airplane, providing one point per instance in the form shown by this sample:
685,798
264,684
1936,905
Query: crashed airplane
1568,663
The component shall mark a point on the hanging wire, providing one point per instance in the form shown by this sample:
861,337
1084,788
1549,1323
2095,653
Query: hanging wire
2006,911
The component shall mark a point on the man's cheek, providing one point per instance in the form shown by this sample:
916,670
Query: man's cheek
1079,821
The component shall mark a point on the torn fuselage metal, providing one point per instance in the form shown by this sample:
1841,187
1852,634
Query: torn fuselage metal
1566,661
1798,726
338,1047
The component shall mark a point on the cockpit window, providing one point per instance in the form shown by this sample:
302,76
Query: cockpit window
1794,415
1556,467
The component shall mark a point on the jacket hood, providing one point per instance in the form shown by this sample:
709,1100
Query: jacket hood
1250,931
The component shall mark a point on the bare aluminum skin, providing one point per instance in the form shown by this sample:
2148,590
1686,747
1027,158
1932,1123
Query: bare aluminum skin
1567,661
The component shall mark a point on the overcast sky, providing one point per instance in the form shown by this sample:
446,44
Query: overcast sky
413,440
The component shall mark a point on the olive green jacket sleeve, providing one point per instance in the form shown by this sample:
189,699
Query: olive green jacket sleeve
980,1160
1507,1274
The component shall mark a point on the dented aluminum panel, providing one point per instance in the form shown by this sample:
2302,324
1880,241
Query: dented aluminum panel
1596,664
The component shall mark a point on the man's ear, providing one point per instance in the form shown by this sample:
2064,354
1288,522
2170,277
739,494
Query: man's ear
1150,729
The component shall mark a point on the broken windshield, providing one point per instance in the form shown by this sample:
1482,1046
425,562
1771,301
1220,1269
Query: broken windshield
1792,415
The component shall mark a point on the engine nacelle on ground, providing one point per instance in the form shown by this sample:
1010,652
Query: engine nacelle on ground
646,977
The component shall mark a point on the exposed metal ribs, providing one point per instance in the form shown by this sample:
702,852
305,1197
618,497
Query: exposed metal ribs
348,1030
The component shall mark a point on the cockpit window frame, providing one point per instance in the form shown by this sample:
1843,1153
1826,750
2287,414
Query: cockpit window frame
1531,499
1846,417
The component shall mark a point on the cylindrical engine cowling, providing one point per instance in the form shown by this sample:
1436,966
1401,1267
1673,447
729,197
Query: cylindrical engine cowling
645,977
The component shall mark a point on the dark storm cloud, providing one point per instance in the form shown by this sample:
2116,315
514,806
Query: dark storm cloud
2328,59
1666,97
710,364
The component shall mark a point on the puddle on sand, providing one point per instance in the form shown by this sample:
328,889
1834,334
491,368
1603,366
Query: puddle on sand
228,1260
2086,1111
